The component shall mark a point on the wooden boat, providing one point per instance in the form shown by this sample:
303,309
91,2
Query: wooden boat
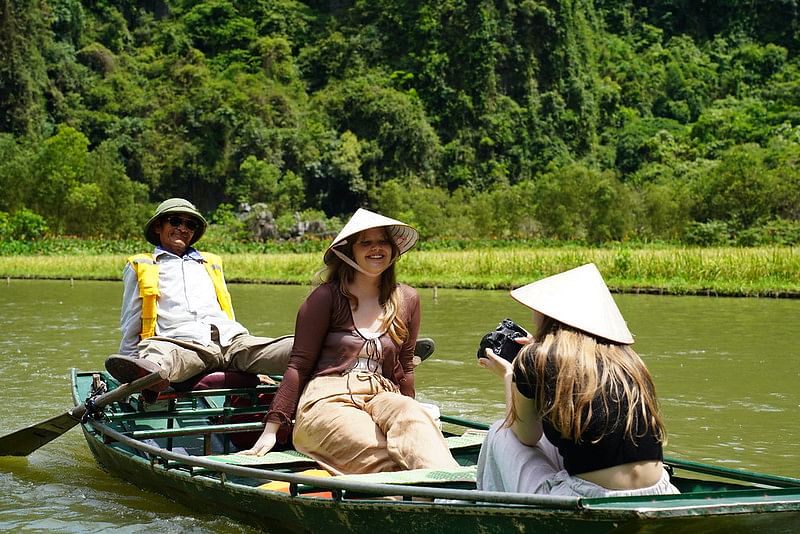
181,446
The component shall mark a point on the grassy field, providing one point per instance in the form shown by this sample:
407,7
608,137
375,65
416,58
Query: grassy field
767,271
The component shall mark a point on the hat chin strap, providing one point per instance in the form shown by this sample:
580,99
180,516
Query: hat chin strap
349,261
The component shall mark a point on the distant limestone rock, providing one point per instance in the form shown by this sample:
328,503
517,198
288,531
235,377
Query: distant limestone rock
259,221
301,228
261,225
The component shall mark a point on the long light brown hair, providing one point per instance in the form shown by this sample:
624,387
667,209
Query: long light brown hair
389,295
583,367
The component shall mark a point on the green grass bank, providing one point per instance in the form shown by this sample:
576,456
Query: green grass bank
728,271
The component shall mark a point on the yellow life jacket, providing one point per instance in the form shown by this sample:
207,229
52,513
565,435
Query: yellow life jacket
146,270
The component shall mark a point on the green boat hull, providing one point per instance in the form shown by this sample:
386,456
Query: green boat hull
736,505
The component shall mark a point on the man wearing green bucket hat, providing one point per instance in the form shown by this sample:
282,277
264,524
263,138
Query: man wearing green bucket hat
177,316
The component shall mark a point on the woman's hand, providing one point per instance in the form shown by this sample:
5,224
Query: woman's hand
265,442
495,364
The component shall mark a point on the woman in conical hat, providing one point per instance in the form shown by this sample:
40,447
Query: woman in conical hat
582,415
349,386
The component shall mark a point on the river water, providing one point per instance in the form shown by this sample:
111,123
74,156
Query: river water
726,371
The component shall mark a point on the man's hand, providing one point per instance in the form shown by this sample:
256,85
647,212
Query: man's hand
266,380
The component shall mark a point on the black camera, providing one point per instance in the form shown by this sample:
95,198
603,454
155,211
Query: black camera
501,340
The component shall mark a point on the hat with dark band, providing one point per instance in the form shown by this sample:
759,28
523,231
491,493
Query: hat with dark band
174,206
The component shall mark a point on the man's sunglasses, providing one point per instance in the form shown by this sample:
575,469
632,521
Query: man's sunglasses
176,221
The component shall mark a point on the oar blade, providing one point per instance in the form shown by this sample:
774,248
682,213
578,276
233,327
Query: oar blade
25,441
28,439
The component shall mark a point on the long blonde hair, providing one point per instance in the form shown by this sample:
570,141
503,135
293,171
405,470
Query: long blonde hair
388,297
583,367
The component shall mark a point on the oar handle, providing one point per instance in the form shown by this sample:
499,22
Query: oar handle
121,392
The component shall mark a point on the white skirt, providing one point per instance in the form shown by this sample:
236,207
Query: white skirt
505,464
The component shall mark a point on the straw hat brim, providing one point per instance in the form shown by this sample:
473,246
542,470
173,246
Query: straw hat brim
578,298
403,235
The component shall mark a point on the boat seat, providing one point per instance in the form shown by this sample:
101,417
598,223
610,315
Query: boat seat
462,473
273,458
291,457
428,477
218,380
470,438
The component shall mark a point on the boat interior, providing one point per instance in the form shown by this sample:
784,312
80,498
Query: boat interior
215,420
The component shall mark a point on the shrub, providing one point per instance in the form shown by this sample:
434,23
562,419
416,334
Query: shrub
777,232
5,229
707,233
23,225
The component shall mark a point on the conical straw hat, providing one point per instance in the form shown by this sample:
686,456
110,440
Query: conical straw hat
402,234
578,298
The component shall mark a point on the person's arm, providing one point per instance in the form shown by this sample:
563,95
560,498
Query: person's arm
527,424
227,291
412,304
130,320
525,421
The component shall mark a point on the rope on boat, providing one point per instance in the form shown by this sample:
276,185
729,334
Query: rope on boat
471,496
99,387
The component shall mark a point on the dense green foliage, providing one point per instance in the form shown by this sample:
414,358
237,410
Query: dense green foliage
613,120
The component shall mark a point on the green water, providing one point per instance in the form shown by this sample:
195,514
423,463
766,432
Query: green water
726,371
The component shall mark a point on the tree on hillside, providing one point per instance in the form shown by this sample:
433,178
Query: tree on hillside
23,78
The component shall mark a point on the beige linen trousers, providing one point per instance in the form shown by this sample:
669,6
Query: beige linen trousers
360,423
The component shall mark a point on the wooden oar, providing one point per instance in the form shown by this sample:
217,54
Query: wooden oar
28,439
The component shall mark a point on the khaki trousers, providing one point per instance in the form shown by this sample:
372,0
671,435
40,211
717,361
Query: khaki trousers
251,354
360,423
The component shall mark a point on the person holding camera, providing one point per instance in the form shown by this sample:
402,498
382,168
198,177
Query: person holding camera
349,386
582,415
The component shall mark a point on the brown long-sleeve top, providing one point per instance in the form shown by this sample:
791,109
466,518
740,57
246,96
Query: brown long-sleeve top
327,342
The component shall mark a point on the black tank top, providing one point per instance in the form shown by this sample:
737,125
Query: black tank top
604,443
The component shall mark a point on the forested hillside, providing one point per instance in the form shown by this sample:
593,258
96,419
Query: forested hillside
612,120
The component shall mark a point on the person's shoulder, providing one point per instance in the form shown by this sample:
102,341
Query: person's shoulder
137,263
208,256
141,256
324,291
406,289
408,293
320,300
